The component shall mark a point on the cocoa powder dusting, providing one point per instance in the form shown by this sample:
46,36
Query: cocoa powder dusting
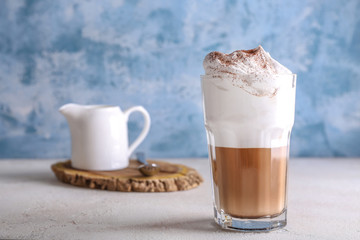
252,70
239,56
221,57
251,51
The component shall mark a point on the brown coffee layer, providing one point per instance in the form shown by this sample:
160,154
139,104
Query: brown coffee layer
251,182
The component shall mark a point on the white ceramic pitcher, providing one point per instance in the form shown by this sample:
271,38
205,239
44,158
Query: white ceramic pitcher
99,135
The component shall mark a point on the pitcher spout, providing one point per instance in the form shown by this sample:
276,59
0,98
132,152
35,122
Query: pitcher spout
71,110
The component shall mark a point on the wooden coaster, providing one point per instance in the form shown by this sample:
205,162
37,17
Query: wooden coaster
172,177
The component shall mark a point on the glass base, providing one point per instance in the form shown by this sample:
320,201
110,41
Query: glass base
264,224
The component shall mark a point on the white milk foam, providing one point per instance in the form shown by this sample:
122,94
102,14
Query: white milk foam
239,115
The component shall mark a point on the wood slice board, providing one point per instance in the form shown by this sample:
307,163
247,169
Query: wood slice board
172,177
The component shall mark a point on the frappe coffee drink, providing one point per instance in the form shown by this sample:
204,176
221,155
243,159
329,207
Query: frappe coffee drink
249,106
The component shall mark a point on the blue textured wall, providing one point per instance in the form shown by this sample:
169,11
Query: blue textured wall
151,52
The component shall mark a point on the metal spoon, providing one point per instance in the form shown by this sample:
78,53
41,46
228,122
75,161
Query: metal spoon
146,169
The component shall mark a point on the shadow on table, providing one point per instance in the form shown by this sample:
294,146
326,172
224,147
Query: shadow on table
202,225
197,225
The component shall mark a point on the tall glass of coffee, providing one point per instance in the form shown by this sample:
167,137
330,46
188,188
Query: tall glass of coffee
249,107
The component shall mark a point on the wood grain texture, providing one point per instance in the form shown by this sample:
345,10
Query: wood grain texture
172,177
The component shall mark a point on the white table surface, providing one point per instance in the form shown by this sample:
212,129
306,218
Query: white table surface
324,203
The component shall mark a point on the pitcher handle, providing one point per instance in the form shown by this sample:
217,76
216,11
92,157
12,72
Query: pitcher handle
145,130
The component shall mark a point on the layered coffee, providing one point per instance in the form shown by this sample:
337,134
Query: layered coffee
249,105
250,182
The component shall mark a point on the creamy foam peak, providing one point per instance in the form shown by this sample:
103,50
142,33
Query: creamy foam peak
255,71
